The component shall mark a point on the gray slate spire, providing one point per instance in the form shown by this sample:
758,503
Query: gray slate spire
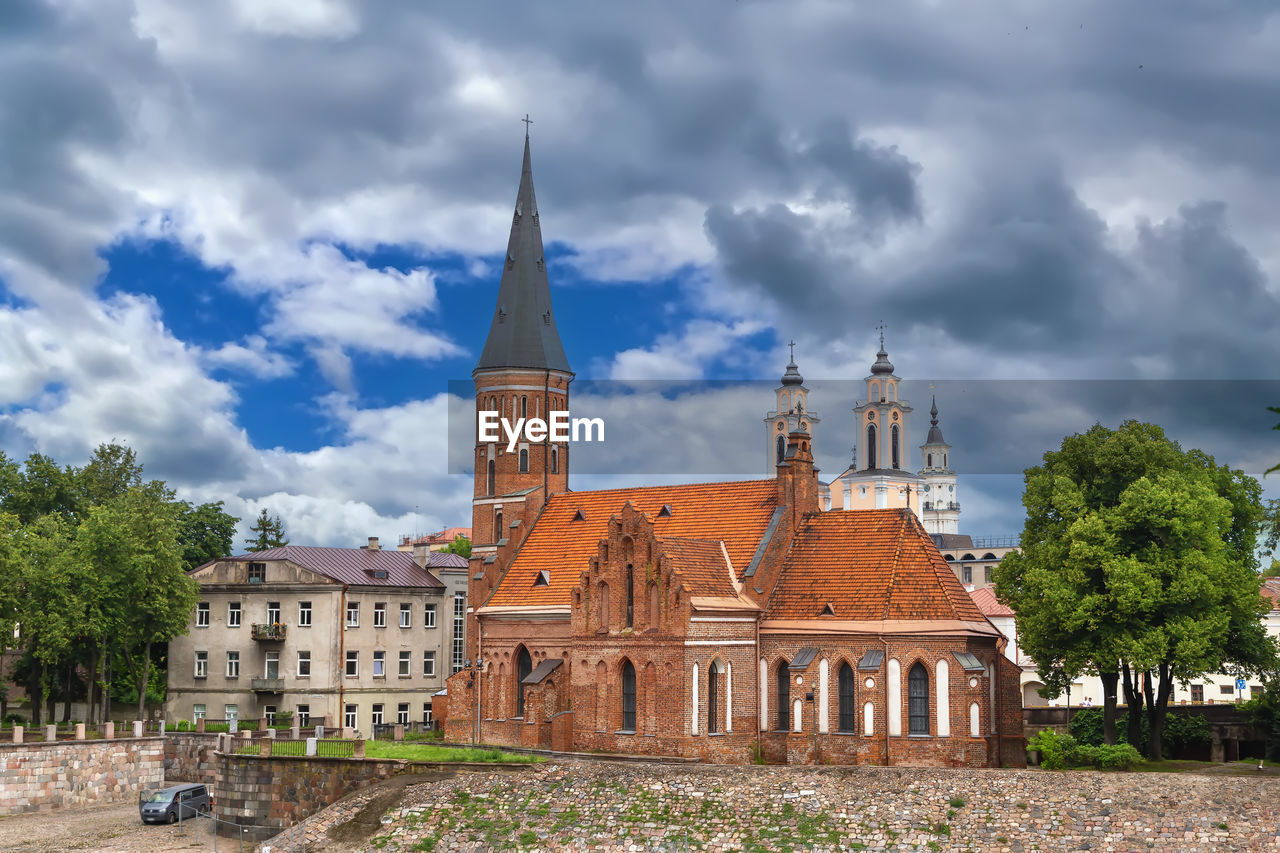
523,332
935,431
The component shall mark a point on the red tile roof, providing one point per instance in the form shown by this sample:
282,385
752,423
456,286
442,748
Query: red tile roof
871,564
735,512
1271,591
349,565
701,563
987,602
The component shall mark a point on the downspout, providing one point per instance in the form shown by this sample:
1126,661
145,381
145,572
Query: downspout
546,413
755,664
479,680
887,761
342,654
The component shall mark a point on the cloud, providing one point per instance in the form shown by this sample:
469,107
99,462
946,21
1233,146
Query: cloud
251,357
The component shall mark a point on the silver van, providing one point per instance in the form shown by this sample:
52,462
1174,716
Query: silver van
180,802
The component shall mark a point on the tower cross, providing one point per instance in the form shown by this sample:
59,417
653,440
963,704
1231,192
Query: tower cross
527,121
882,327
793,350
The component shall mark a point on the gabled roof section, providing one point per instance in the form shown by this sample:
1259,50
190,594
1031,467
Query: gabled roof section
986,601
446,560
353,566
523,332
874,564
701,563
736,513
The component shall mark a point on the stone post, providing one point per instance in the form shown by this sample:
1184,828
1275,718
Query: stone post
359,749
79,731
137,728
398,732
319,732
311,746
17,734
295,732
200,725
109,730
162,728
348,733
246,735
264,747
233,726
271,734
50,734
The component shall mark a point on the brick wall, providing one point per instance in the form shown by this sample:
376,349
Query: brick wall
46,776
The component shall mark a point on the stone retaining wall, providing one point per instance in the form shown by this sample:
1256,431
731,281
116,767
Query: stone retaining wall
46,776
191,757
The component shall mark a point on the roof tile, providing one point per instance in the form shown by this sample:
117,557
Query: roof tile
351,565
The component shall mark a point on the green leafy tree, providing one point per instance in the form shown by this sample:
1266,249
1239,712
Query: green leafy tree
268,532
1137,564
205,532
460,546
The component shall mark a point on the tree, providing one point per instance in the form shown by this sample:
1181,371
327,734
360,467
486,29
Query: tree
268,532
1137,564
205,532
460,546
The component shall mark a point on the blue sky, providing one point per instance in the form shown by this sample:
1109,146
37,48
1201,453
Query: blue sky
256,239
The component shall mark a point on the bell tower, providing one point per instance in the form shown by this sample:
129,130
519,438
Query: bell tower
522,373
792,413
939,505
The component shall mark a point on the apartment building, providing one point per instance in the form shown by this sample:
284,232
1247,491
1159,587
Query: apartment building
357,636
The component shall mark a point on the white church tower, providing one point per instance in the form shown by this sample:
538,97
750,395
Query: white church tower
939,504
792,413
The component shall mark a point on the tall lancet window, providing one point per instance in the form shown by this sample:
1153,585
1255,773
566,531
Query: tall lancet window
893,446
871,445
489,483
782,449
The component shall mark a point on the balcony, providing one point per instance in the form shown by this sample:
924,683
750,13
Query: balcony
267,685
272,632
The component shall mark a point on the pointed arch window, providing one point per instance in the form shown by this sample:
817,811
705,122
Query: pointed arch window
497,525
555,460
628,697
871,445
848,709
781,446
524,666
524,460
930,463
893,446
918,700
524,406
489,478
784,697
631,595
713,698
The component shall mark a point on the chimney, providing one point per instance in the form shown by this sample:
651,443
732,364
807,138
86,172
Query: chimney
373,543
797,477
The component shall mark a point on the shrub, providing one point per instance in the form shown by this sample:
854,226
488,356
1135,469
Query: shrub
15,719
183,726
1185,730
1059,751
1122,756
1086,726
217,727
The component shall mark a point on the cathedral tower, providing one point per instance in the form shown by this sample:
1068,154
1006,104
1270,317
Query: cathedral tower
522,373
792,414
939,506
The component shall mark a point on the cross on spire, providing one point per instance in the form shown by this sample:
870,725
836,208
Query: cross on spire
527,121
882,327
793,350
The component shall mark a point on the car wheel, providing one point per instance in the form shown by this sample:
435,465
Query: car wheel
173,817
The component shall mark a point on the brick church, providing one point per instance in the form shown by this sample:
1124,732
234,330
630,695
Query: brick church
721,621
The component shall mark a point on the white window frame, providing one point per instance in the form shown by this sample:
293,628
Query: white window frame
429,664
429,616
351,716
302,714
377,715
234,614
405,665
279,612
304,659
402,714
199,711
379,664
351,667
269,658
233,657
380,614
202,614
353,614
406,615
304,614
202,664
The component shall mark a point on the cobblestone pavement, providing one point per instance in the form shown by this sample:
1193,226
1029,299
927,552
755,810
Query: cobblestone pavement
100,829
597,806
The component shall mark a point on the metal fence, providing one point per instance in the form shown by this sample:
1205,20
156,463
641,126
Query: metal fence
207,832
335,748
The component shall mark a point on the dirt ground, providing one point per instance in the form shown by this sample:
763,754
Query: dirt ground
104,829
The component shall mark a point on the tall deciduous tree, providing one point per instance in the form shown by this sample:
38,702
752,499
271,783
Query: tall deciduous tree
460,546
268,532
1137,563
205,532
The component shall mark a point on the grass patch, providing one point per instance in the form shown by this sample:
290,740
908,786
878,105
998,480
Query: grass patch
426,752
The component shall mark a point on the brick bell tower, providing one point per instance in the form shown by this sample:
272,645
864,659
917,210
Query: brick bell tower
522,373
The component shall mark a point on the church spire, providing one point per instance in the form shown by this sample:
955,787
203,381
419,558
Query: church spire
935,431
523,332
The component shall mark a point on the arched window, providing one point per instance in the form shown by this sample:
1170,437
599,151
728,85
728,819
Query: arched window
489,483
713,697
628,697
631,595
524,666
524,460
782,449
784,697
497,525
918,700
893,446
848,710
930,464
944,460
555,460
871,445
524,406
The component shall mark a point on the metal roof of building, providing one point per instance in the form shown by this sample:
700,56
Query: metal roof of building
352,566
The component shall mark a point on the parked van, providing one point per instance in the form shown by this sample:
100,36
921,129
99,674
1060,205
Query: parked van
180,802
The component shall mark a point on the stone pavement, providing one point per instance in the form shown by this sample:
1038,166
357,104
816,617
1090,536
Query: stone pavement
600,806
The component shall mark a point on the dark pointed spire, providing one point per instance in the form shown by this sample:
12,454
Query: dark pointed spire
792,376
523,332
882,365
935,431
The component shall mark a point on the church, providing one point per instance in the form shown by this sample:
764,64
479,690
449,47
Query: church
728,622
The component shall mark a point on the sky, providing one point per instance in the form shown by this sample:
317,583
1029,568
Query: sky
257,240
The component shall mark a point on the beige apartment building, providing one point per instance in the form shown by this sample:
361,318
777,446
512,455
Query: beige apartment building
356,636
